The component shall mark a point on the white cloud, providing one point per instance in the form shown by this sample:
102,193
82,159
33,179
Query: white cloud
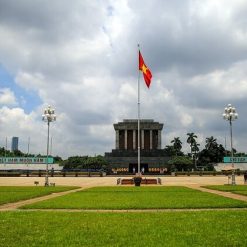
7,97
14,122
81,58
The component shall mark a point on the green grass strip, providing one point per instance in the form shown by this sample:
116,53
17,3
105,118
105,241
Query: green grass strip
138,198
16,193
58,229
228,188
236,189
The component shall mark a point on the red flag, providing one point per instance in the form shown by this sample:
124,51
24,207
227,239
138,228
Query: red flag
145,70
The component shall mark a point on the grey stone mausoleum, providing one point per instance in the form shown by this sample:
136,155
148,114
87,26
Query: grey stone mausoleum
124,157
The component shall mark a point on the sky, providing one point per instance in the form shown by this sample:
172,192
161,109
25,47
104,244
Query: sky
81,57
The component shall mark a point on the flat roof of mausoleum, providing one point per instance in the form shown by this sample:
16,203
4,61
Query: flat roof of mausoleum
148,124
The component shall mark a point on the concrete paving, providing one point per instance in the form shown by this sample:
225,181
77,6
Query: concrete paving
111,181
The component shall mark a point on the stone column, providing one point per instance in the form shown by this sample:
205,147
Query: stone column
151,139
159,139
125,139
142,136
117,139
134,139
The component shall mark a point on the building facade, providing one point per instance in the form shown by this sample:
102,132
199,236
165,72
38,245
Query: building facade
124,157
14,143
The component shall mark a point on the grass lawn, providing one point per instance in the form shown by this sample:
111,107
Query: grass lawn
206,228
16,193
237,189
138,198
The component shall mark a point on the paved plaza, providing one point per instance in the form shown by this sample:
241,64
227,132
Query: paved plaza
111,181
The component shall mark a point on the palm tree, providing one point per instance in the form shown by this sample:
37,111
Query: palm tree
195,149
211,143
191,140
212,148
177,144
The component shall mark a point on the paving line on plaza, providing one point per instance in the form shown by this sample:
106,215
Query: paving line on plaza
128,210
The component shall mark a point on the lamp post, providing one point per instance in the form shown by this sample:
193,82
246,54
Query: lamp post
230,115
48,116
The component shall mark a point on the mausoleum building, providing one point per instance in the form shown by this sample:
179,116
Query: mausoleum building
125,155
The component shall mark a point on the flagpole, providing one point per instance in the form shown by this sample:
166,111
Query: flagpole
138,103
147,77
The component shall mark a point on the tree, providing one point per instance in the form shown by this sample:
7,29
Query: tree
177,145
181,163
195,148
75,162
194,152
97,162
18,153
7,153
85,162
221,152
169,150
211,143
192,141
57,159
212,153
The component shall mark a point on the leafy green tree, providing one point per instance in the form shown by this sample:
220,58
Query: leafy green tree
221,152
75,162
169,150
177,145
96,162
181,163
2,151
241,154
18,153
57,159
204,157
85,162
212,153
8,153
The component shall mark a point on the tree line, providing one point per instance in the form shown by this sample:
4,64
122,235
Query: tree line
17,153
96,163
212,153
75,162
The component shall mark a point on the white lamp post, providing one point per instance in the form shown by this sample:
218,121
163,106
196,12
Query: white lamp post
48,116
230,115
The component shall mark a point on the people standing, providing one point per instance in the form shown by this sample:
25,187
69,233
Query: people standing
245,177
143,169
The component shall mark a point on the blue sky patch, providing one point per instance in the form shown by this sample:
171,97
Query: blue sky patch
28,100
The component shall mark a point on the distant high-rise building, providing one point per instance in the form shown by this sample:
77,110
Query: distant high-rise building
14,144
